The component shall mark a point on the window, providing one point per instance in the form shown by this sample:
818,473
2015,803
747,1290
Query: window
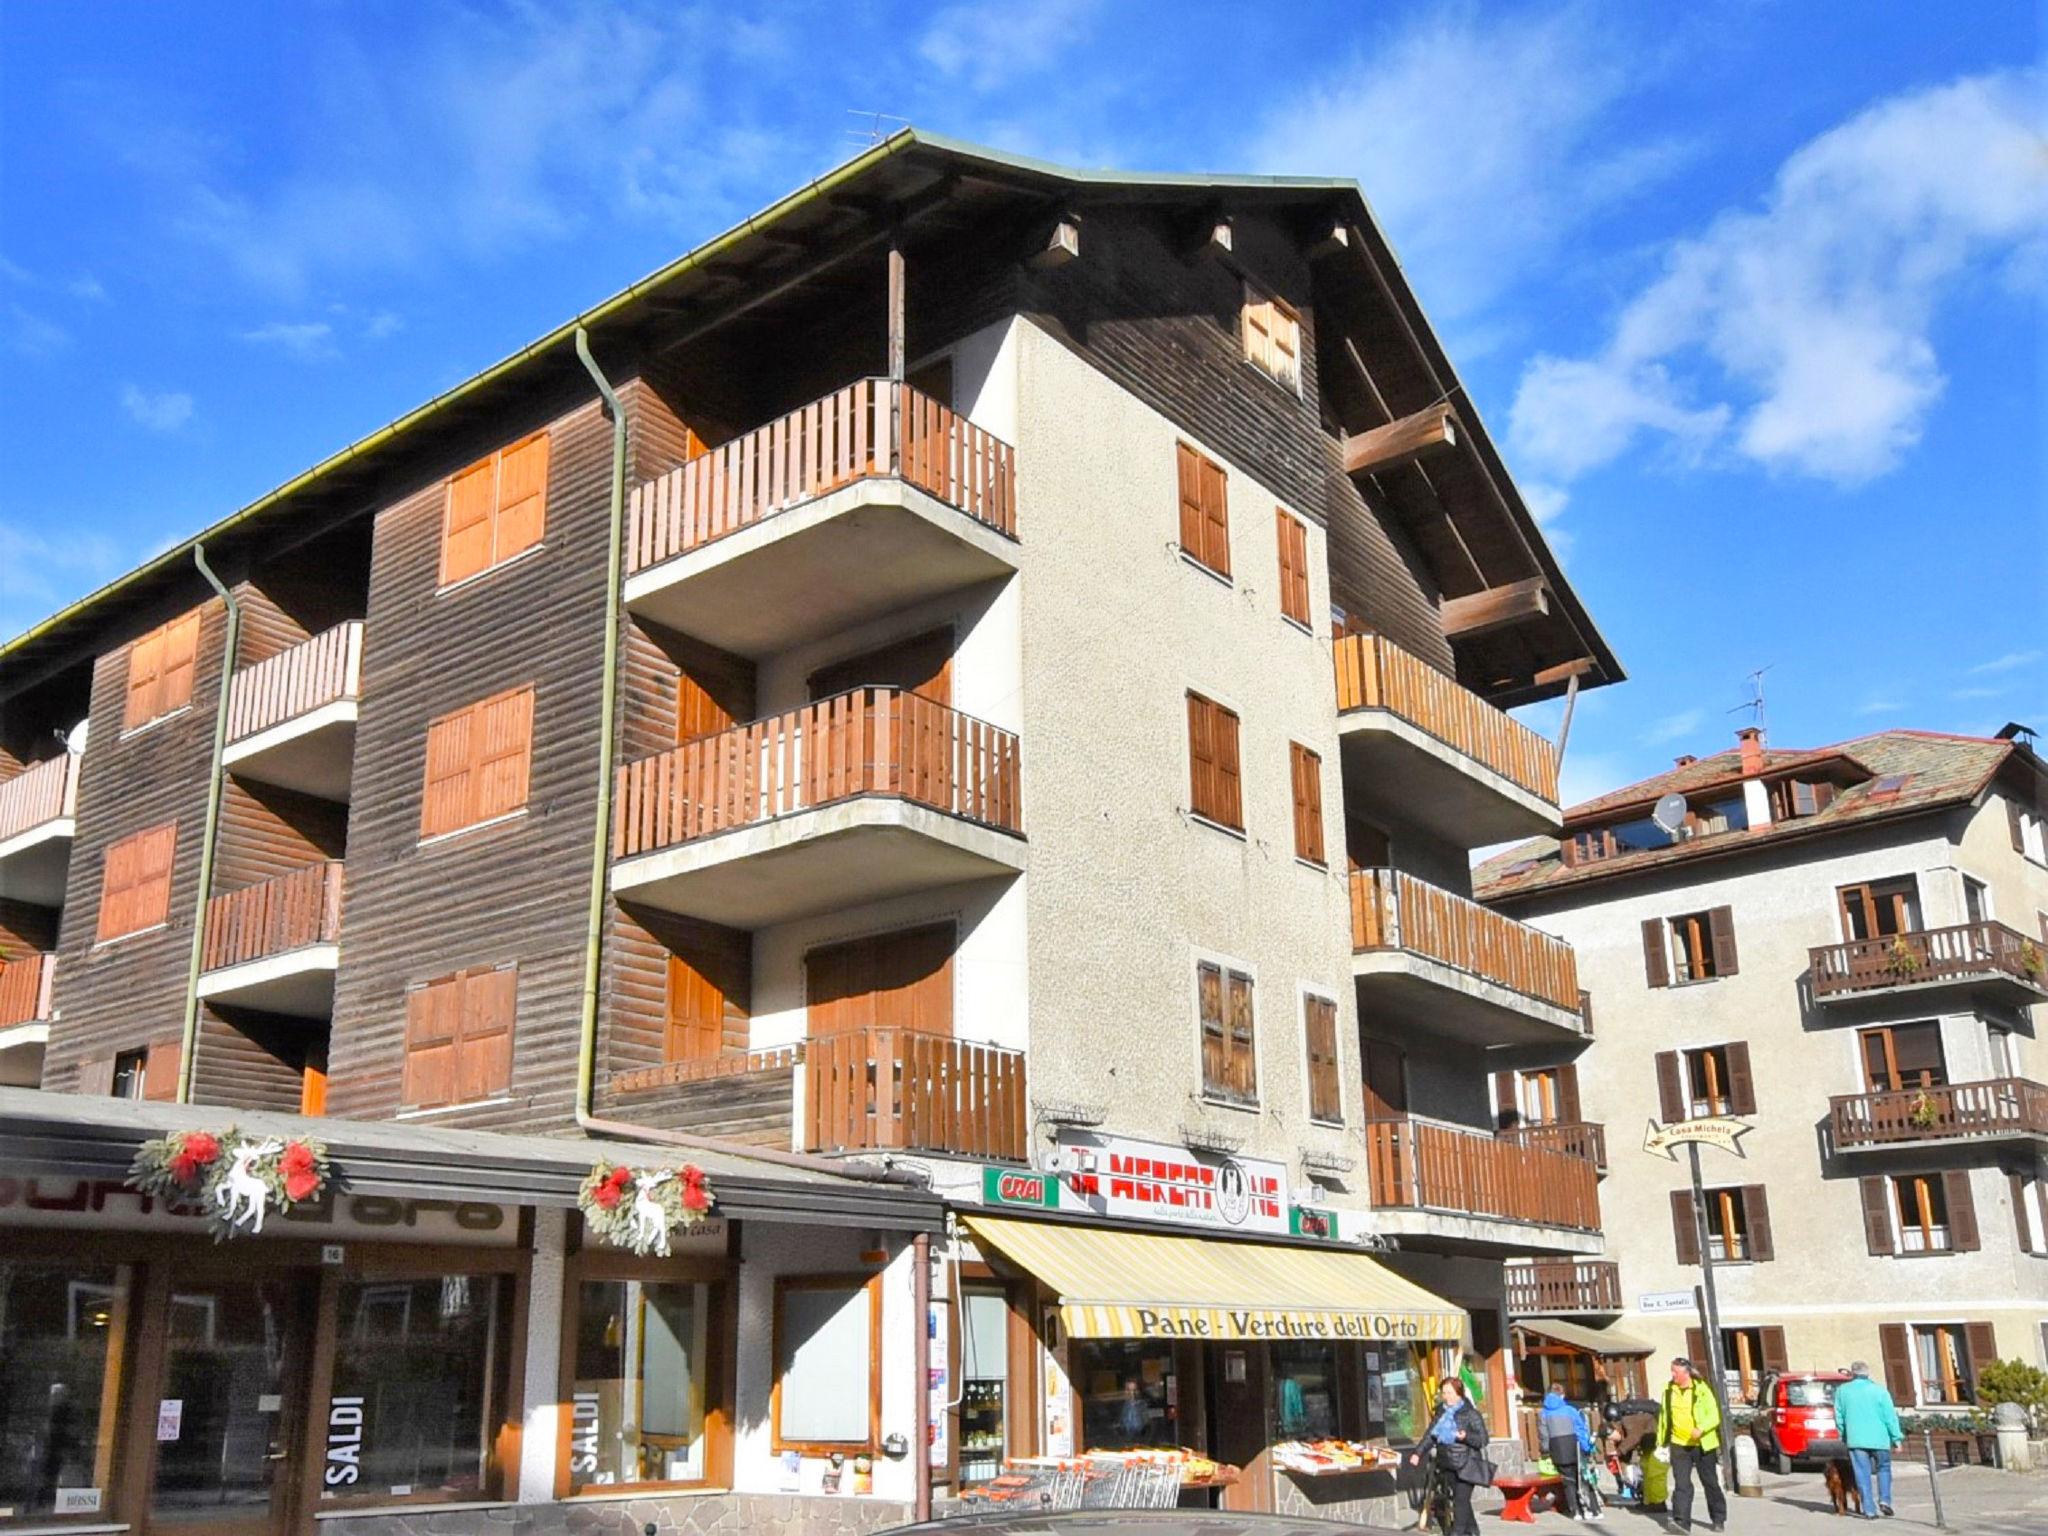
418,1365
458,1037
59,1329
2029,832
1879,909
1747,1356
496,508
1204,512
1386,1079
1998,1051
1913,1213
1922,1213
1545,1096
1793,798
1215,789
1229,1048
1306,769
1707,1080
135,881
2030,1211
1942,1364
1325,1077
1888,787
1308,1389
902,979
1293,567
160,669
985,1395
1699,946
1272,336
639,1402
1897,1057
1738,1225
1130,1394
130,1070
1976,901
827,1394
477,761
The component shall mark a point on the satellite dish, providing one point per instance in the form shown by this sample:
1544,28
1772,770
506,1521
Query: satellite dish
1669,814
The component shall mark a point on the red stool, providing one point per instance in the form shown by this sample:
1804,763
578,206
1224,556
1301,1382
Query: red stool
1520,1491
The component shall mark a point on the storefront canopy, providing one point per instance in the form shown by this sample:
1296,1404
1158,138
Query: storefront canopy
1118,1284
1599,1341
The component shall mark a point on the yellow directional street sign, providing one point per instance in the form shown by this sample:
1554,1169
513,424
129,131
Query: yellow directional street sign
1723,1131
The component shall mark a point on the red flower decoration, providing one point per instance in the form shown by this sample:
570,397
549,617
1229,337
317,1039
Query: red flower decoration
609,1193
696,1196
301,1172
196,1152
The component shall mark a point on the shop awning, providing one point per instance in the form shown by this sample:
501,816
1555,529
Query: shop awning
1599,1341
1118,1284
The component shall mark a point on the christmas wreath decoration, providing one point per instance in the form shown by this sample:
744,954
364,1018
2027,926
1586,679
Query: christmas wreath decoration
637,1208
234,1180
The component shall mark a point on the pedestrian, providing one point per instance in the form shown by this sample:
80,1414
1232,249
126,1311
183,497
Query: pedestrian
1869,1426
1458,1439
1568,1439
1689,1438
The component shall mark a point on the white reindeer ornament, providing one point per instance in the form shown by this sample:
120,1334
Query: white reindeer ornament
242,1196
650,1219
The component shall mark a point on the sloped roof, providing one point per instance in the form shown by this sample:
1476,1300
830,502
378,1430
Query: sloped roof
1939,770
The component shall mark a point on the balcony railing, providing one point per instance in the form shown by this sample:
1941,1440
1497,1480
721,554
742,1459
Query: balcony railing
867,741
25,988
1374,673
296,682
1581,1138
870,428
1393,910
894,1089
274,917
46,792
1929,954
1551,1286
1428,1166
2000,1106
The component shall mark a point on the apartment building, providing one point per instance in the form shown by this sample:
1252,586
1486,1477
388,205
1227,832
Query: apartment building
1842,946
1055,629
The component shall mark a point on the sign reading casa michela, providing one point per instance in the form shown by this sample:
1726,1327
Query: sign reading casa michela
1723,1131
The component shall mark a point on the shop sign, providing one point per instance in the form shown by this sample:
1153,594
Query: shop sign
344,1442
1211,1323
1148,1181
109,1205
1311,1221
1019,1186
77,1501
584,1412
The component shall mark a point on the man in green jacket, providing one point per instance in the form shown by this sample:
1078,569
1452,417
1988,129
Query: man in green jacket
1869,1426
1689,1437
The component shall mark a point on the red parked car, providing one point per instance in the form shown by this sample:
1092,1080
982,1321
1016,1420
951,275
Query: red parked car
1796,1419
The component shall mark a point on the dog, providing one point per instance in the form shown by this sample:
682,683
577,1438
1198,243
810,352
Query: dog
1842,1488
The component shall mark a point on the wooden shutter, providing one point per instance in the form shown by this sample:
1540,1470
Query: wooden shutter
1191,525
1293,566
180,663
466,522
1685,1227
1505,1097
1215,1045
1877,1213
433,1023
1215,518
522,498
1229,780
1696,1349
135,881
1568,1093
1741,1081
1721,924
1982,1340
449,800
1214,785
1656,952
695,1015
1386,1080
1962,1211
1307,773
2015,821
903,980
1671,1087
1773,1340
145,673
1756,1217
504,744
160,1070
1896,1350
1325,1080
95,1076
489,1006
1243,1046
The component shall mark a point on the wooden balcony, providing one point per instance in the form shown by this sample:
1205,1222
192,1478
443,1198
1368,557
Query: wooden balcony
1992,962
1437,961
1581,1138
275,946
38,818
1495,1193
862,503
871,793
2000,1109
292,716
25,984
1561,1287
1414,737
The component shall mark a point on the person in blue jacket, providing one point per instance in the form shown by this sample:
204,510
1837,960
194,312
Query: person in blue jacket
1568,1438
1869,1425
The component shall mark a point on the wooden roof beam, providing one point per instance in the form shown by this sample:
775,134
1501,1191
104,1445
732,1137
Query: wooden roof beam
1481,613
1402,441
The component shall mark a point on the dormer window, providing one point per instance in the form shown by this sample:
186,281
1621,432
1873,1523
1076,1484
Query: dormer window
1793,798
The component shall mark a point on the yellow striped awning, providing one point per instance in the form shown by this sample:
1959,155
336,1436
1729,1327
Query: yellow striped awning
1118,1284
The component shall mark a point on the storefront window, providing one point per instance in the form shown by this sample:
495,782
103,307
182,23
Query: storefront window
414,1403
58,1330
638,1409
984,1384
828,1345
221,1420
1305,1387
1130,1396
1410,1387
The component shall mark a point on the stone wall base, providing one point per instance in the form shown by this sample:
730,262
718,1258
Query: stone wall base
682,1514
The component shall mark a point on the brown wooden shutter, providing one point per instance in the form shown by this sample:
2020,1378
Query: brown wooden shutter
1568,1093
1325,1083
1696,1349
1741,1081
1656,954
1721,924
1982,1340
1896,1350
1215,1047
1962,1211
145,671
160,1070
1773,1340
1671,1096
2027,1191
1877,1213
153,875
1756,1216
521,515
449,799
433,1023
95,1076
1229,781
180,663
135,881
503,737
1504,1096
1202,794
484,1053
1685,1227
1215,518
695,1015
1190,464
466,522
1307,771
1293,567
2015,822
1244,1062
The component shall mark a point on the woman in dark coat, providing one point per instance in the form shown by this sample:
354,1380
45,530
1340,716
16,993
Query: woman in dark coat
1458,1438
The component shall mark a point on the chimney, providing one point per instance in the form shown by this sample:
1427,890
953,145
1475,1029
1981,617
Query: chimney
1751,740
1756,801
1684,760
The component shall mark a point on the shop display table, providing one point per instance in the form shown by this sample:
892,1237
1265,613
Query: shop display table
1521,1491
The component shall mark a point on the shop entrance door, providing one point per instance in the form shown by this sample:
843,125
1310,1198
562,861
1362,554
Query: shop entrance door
230,1403
1239,1429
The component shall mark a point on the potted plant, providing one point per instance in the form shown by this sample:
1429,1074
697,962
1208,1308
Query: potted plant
2030,958
1902,959
1922,1111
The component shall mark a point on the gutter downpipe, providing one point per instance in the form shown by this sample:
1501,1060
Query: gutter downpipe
188,1039
600,860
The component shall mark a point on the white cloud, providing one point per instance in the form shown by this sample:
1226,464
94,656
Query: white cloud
1880,706
383,324
33,335
86,286
1981,693
308,340
161,412
1798,335
38,573
2011,661
989,44
1674,727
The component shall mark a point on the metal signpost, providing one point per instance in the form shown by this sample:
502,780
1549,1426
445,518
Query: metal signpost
1725,1132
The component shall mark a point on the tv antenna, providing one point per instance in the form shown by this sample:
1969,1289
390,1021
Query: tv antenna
1755,702
874,133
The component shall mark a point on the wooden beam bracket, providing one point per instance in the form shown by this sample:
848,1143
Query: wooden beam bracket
1403,441
1481,613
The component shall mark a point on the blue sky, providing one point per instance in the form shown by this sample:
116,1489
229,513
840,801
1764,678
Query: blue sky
1750,293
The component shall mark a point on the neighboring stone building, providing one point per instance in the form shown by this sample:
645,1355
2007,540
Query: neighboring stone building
1845,947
